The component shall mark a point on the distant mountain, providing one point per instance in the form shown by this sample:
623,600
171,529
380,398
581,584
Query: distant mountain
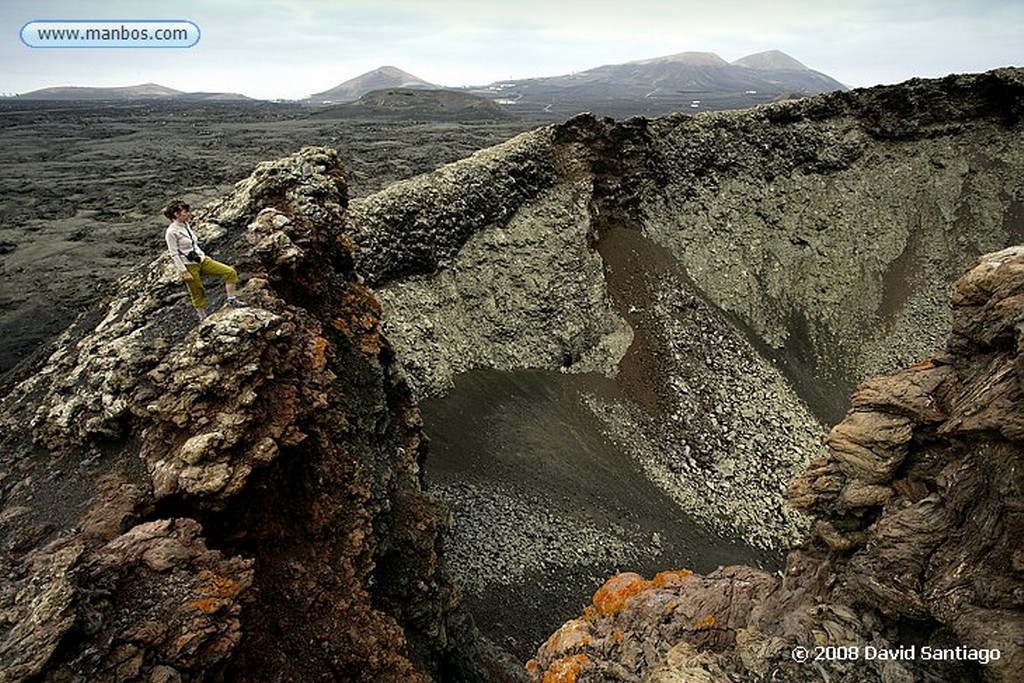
213,97
773,59
687,58
131,92
686,81
382,78
146,91
409,103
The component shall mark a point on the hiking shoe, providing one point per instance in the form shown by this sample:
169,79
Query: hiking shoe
234,302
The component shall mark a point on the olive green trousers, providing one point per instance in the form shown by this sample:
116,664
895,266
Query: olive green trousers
208,268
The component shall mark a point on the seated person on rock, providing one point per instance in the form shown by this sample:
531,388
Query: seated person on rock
190,260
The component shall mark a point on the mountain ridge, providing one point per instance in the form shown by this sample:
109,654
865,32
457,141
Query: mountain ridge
651,86
770,59
142,91
700,81
691,58
381,78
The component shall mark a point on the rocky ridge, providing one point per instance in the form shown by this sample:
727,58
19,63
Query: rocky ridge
188,502
914,552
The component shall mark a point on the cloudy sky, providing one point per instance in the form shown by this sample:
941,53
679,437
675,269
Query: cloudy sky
292,48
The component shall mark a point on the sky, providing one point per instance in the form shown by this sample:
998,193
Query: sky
289,49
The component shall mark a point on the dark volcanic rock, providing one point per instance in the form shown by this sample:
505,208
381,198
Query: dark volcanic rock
230,499
82,185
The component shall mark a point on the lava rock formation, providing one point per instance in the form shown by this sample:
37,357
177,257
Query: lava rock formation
234,500
245,496
913,570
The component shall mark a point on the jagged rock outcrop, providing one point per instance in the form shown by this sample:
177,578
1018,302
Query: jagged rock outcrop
234,500
913,570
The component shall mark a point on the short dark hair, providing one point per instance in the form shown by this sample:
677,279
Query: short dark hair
174,206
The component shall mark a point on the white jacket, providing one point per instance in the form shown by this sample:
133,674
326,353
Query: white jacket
180,241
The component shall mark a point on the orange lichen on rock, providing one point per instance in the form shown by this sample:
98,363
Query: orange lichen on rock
362,318
217,591
572,634
319,353
612,596
671,578
565,670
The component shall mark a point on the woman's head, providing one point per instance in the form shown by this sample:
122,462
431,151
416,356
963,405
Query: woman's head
174,207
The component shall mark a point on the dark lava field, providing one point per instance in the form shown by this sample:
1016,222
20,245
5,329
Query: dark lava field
82,184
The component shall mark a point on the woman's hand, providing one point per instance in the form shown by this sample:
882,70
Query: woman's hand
186,276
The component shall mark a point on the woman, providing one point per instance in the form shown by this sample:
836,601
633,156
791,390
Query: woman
190,260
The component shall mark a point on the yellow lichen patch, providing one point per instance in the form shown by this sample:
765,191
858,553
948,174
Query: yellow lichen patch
216,591
565,670
612,596
705,623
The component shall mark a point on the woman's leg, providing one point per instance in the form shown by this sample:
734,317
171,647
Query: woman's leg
224,272
196,291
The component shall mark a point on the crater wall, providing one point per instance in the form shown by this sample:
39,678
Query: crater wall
789,251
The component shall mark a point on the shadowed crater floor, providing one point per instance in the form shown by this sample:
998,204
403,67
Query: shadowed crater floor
546,507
